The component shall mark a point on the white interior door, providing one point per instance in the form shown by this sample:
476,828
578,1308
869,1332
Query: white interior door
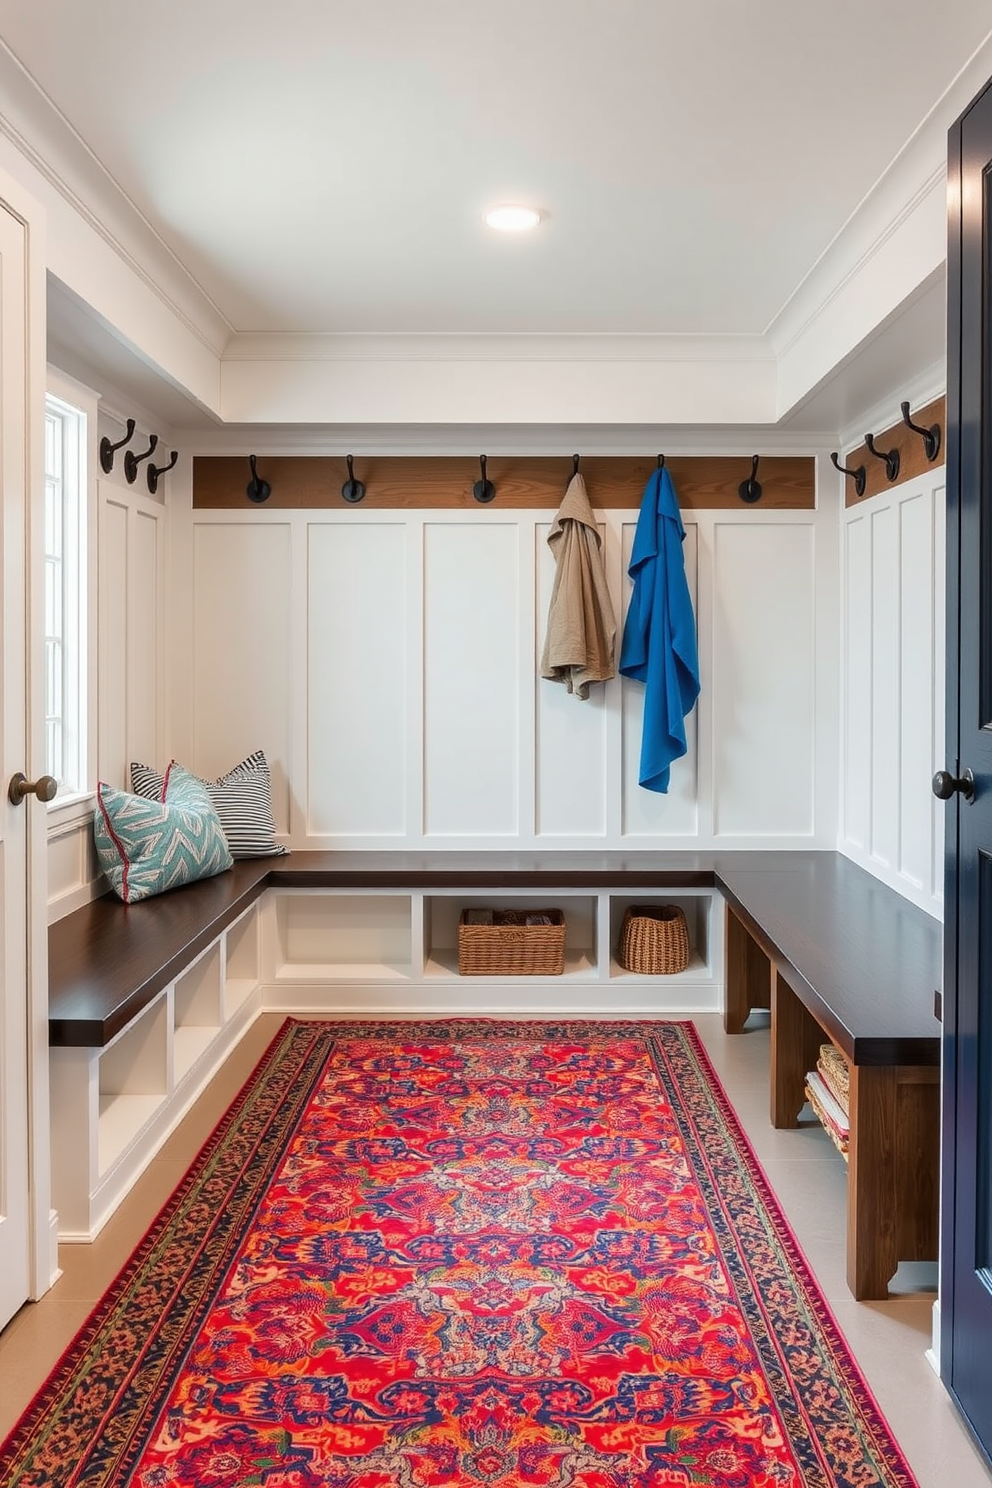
22,835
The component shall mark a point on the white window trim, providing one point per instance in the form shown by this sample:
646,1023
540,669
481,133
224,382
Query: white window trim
77,806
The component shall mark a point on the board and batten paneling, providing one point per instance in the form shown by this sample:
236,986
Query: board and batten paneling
130,641
128,573
472,676
244,659
358,671
764,735
389,663
893,686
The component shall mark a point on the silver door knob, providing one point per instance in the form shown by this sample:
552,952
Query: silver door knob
20,786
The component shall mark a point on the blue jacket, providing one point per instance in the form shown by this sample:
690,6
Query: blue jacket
659,634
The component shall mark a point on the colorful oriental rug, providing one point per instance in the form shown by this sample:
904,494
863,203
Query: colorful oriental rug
457,1254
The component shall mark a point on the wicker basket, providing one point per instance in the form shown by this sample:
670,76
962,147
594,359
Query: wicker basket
509,946
654,938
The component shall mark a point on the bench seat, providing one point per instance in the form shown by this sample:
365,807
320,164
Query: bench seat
831,952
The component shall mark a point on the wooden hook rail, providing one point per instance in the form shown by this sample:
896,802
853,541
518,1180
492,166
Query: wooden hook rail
703,482
901,440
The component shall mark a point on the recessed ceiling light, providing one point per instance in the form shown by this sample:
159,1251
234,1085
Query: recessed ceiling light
512,219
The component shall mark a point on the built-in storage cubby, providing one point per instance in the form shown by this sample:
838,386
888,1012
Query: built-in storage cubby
132,1082
322,935
698,908
240,961
443,911
196,1011
114,1105
342,952
349,952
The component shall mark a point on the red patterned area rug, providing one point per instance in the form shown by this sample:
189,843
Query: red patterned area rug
462,1253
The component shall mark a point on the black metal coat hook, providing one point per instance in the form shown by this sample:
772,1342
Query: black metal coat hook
931,436
483,490
154,471
750,490
132,461
891,458
858,475
107,449
661,462
257,490
575,466
353,490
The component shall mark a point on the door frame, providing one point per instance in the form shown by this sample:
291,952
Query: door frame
43,1238
964,210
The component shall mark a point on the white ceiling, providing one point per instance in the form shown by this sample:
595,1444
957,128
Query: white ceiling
323,166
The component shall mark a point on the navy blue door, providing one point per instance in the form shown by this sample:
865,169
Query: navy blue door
966,1247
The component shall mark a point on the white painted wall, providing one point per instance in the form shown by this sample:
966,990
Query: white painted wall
388,663
892,714
126,652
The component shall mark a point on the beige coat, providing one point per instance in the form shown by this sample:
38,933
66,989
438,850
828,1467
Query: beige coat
578,648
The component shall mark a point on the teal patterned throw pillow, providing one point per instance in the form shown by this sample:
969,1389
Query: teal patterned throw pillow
146,847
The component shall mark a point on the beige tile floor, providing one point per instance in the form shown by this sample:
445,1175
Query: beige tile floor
889,1339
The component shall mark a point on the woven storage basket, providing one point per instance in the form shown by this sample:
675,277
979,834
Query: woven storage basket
654,938
511,947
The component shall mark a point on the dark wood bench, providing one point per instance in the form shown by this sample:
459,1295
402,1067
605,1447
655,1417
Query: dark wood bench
827,948
834,953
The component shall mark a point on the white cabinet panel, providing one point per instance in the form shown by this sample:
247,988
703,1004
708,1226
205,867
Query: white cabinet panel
764,661
143,638
242,606
357,685
112,727
472,682
885,699
857,682
650,813
571,741
916,659
893,686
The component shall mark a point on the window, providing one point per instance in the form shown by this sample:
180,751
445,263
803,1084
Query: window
65,596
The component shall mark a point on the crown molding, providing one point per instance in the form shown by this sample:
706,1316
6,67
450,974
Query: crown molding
35,127
496,439
494,347
893,241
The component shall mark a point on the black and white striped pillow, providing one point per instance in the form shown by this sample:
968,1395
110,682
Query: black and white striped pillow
242,799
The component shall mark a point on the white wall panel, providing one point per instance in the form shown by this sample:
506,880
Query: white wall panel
885,686
572,781
472,682
857,682
144,608
357,684
242,597
649,813
893,684
763,679
916,667
388,662
112,745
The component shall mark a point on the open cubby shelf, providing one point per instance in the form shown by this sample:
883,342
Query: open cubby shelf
352,936
335,952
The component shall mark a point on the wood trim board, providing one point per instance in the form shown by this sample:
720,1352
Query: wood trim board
913,461
702,482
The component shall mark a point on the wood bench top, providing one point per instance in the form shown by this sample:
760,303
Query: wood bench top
863,956
864,960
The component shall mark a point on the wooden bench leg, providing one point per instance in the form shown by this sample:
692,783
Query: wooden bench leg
893,1162
796,1040
748,975
872,1201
